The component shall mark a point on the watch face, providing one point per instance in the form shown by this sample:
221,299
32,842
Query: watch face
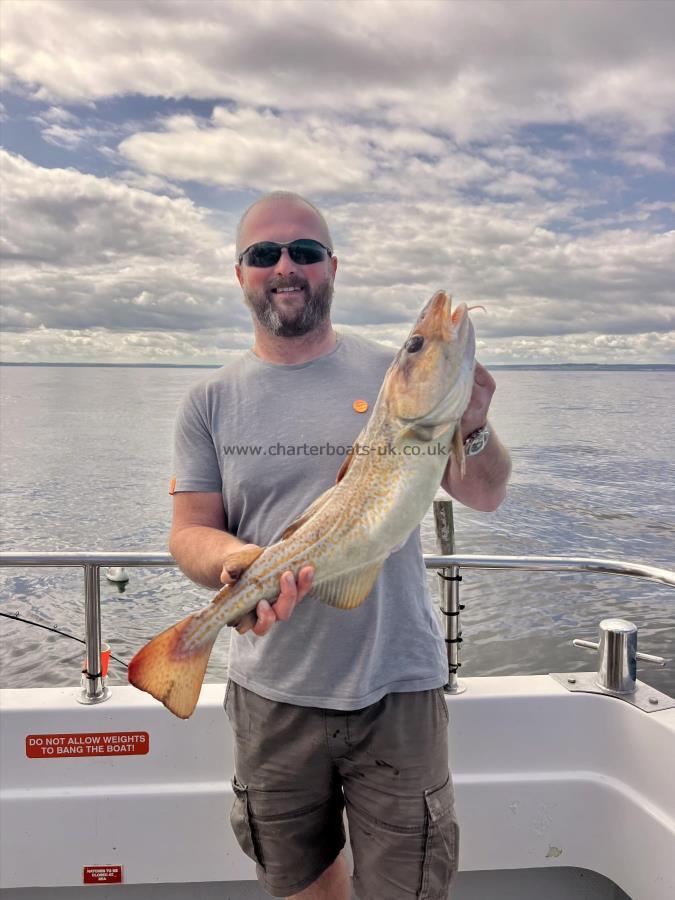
477,442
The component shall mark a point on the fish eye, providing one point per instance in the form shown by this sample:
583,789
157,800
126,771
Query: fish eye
413,344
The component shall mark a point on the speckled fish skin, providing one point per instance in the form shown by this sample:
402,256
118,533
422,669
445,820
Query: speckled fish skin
384,489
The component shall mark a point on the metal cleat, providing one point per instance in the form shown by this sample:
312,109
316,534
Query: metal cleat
617,670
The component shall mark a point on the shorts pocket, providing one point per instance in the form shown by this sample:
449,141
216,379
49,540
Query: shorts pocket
443,703
441,843
240,819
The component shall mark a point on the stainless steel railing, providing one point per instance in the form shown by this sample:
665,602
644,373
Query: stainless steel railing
448,565
597,565
94,689
451,564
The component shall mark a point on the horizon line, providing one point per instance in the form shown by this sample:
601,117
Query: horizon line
149,365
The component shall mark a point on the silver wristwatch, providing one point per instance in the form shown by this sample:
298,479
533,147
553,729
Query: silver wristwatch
476,442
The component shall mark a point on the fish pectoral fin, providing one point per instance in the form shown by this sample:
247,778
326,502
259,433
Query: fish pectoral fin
237,563
342,471
458,450
424,433
246,622
311,510
349,590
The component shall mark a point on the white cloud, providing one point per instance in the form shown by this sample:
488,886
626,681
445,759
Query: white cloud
214,347
326,155
100,345
64,129
245,147
69,138
61,216
471,70
88,257
153,183
531,279
643,159
57,114
580,348
416,127
82,251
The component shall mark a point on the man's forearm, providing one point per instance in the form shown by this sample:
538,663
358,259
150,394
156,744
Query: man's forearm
487,474
200,552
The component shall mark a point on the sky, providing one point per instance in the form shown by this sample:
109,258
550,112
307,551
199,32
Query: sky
520,155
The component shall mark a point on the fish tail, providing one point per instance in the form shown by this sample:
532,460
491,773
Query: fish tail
171,667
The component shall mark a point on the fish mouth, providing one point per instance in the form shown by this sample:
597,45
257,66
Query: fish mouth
460,322
434,318
459,314
438,319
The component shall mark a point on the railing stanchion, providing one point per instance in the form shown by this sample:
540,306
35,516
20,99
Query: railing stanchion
94,688
449,592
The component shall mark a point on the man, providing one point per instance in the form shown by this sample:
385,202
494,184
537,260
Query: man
335,708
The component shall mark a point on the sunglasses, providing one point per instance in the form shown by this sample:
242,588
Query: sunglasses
304,252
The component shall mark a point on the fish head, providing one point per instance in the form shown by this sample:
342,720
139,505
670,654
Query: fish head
429,383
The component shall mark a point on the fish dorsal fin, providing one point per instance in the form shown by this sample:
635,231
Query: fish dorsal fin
342,471
349,590
311,510
458,450
237,563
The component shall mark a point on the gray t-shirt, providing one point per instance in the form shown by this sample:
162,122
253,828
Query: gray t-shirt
272,438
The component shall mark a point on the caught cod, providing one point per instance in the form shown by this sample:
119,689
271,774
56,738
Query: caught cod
383,490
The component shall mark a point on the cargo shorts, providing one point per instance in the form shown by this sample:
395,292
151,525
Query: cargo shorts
297,768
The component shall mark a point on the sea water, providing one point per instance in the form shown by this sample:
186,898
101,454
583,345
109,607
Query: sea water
85,455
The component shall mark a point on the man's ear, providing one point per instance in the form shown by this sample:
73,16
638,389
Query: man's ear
240,277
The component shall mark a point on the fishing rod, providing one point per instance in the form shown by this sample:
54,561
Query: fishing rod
57,631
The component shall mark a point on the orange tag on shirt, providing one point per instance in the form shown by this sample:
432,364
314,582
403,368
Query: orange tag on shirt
360,406
172,485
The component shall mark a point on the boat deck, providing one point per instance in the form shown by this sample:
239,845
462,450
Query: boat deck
551,787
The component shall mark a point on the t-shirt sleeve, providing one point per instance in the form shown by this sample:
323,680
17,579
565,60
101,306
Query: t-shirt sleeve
194,456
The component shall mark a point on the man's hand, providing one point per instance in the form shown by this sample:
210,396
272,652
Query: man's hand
476,413
290,594
483,485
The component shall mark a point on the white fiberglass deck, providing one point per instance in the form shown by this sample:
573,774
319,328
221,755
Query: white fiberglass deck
544,779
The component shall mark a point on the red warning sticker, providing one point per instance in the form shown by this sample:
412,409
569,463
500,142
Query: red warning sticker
102,874
76,746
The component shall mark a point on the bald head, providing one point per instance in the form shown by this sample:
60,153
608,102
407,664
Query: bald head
270,209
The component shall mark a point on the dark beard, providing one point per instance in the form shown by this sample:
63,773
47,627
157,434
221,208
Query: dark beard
314,313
